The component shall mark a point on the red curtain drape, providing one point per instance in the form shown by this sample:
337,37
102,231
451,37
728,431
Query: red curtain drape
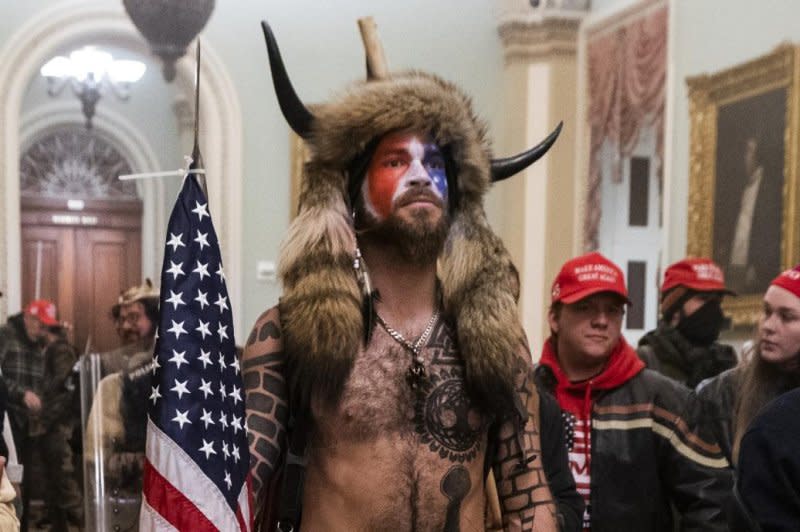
627,84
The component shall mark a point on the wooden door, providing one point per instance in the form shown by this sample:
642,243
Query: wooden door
110,261
87,259
53,249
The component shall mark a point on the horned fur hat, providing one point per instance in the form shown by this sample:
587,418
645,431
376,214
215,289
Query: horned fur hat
146,290
322,313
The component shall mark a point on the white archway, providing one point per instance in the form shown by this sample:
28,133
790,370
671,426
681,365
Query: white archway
221,116
136,149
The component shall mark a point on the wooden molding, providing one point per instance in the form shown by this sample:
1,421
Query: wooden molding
526,41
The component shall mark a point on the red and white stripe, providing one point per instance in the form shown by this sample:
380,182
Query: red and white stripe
177,495
580,464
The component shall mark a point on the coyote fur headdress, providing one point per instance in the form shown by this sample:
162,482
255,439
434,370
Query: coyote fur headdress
322,310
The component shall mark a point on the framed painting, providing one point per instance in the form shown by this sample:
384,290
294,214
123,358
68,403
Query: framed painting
297,158
743,174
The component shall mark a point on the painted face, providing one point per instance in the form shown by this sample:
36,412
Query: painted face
779,327
406,168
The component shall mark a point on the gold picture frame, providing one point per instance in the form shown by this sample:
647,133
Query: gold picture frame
297,158
743,174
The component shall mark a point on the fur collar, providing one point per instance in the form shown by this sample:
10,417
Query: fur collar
321,308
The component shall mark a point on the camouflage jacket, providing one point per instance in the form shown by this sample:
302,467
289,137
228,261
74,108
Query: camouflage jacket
59,384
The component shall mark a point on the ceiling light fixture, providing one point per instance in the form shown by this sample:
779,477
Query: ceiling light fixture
89,71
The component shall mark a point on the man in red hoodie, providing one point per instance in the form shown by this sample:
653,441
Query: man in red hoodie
635,449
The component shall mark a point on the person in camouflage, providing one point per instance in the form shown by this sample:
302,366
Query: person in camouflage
59,419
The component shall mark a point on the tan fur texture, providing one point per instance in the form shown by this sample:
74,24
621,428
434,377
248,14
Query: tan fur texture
480,291
321,308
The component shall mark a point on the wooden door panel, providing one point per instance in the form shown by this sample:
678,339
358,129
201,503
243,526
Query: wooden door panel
56,270
49,264
88,258
109,261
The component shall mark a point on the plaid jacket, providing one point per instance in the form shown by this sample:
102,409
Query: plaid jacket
22,363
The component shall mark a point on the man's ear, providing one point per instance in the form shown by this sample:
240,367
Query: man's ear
552,320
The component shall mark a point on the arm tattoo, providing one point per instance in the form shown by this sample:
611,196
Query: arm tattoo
263,364
521,482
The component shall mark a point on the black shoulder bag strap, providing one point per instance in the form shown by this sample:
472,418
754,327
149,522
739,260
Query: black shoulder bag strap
290,501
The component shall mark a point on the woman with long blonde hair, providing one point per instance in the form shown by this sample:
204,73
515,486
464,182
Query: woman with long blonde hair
732,399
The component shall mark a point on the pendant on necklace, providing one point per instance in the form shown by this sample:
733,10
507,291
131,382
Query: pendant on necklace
416,373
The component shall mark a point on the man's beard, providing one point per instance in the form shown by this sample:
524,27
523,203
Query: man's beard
418,240
130,337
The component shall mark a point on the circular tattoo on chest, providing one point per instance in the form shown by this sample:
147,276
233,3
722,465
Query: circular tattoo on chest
448,423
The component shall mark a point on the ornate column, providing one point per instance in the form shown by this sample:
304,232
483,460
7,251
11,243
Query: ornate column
540,42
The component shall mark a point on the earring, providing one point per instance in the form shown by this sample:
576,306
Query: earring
367,295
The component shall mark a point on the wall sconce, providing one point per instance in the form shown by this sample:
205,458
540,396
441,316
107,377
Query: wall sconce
91,72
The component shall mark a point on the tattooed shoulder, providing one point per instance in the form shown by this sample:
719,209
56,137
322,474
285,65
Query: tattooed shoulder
521,481
267,326
263,365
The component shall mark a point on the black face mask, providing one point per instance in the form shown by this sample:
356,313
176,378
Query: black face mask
703,326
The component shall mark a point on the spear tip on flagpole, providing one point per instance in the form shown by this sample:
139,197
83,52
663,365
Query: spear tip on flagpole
196,149
197,158
195,161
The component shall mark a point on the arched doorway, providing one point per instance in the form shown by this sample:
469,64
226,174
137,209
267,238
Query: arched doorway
81,229
221,120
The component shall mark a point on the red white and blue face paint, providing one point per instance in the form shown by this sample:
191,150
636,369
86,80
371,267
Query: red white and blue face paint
404,165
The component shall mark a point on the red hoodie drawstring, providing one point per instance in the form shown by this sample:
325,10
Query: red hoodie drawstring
587,423
623,364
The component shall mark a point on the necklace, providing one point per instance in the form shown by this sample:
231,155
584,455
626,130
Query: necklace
416,372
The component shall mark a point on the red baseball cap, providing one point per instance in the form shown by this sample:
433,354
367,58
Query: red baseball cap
586,275
790,280
702,275
44,310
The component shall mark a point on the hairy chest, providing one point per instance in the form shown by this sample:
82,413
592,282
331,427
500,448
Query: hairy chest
433,413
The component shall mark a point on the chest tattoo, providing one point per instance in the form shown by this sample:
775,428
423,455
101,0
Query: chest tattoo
455,486
444,417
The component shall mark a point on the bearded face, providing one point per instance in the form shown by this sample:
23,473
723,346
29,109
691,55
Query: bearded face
133,324
404,196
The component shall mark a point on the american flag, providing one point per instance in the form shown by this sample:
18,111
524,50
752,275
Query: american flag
196,471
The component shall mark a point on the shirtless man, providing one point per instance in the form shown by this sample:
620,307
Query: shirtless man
415,379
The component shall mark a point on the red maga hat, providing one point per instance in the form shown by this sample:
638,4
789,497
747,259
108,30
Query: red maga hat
702,275
789,280
586,275
44,310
